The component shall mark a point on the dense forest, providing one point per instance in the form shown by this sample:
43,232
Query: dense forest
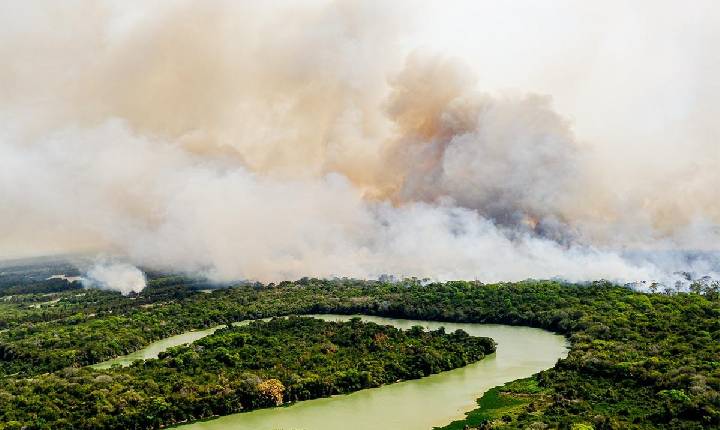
236,369
637,360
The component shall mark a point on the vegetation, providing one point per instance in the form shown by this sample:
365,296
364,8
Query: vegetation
235,369
501,405
637,360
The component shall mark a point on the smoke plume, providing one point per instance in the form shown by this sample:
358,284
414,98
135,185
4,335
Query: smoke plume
115,276
244,140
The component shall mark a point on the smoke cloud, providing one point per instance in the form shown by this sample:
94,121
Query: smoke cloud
270,142
115,276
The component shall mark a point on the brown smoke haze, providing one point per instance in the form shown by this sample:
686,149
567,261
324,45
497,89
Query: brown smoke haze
249,140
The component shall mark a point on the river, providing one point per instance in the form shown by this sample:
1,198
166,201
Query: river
418,404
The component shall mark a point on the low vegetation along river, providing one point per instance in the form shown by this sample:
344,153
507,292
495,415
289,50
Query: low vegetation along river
411,405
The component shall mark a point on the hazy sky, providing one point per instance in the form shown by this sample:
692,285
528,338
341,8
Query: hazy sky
474,139
622,71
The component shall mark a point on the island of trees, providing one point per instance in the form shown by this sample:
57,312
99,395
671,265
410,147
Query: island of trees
236,369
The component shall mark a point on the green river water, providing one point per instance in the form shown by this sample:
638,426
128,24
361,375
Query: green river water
411,405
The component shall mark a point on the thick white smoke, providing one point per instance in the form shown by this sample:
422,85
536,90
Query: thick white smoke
277,141
115,276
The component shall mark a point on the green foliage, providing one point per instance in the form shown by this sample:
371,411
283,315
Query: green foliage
499,406
235,369
636,360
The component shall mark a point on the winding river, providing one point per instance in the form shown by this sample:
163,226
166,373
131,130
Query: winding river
411,405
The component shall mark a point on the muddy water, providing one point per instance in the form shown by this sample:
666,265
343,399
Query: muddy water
412,405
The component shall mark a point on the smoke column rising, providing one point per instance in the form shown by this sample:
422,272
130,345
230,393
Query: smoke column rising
115,276
269,142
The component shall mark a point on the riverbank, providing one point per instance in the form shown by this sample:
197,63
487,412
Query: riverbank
411,405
